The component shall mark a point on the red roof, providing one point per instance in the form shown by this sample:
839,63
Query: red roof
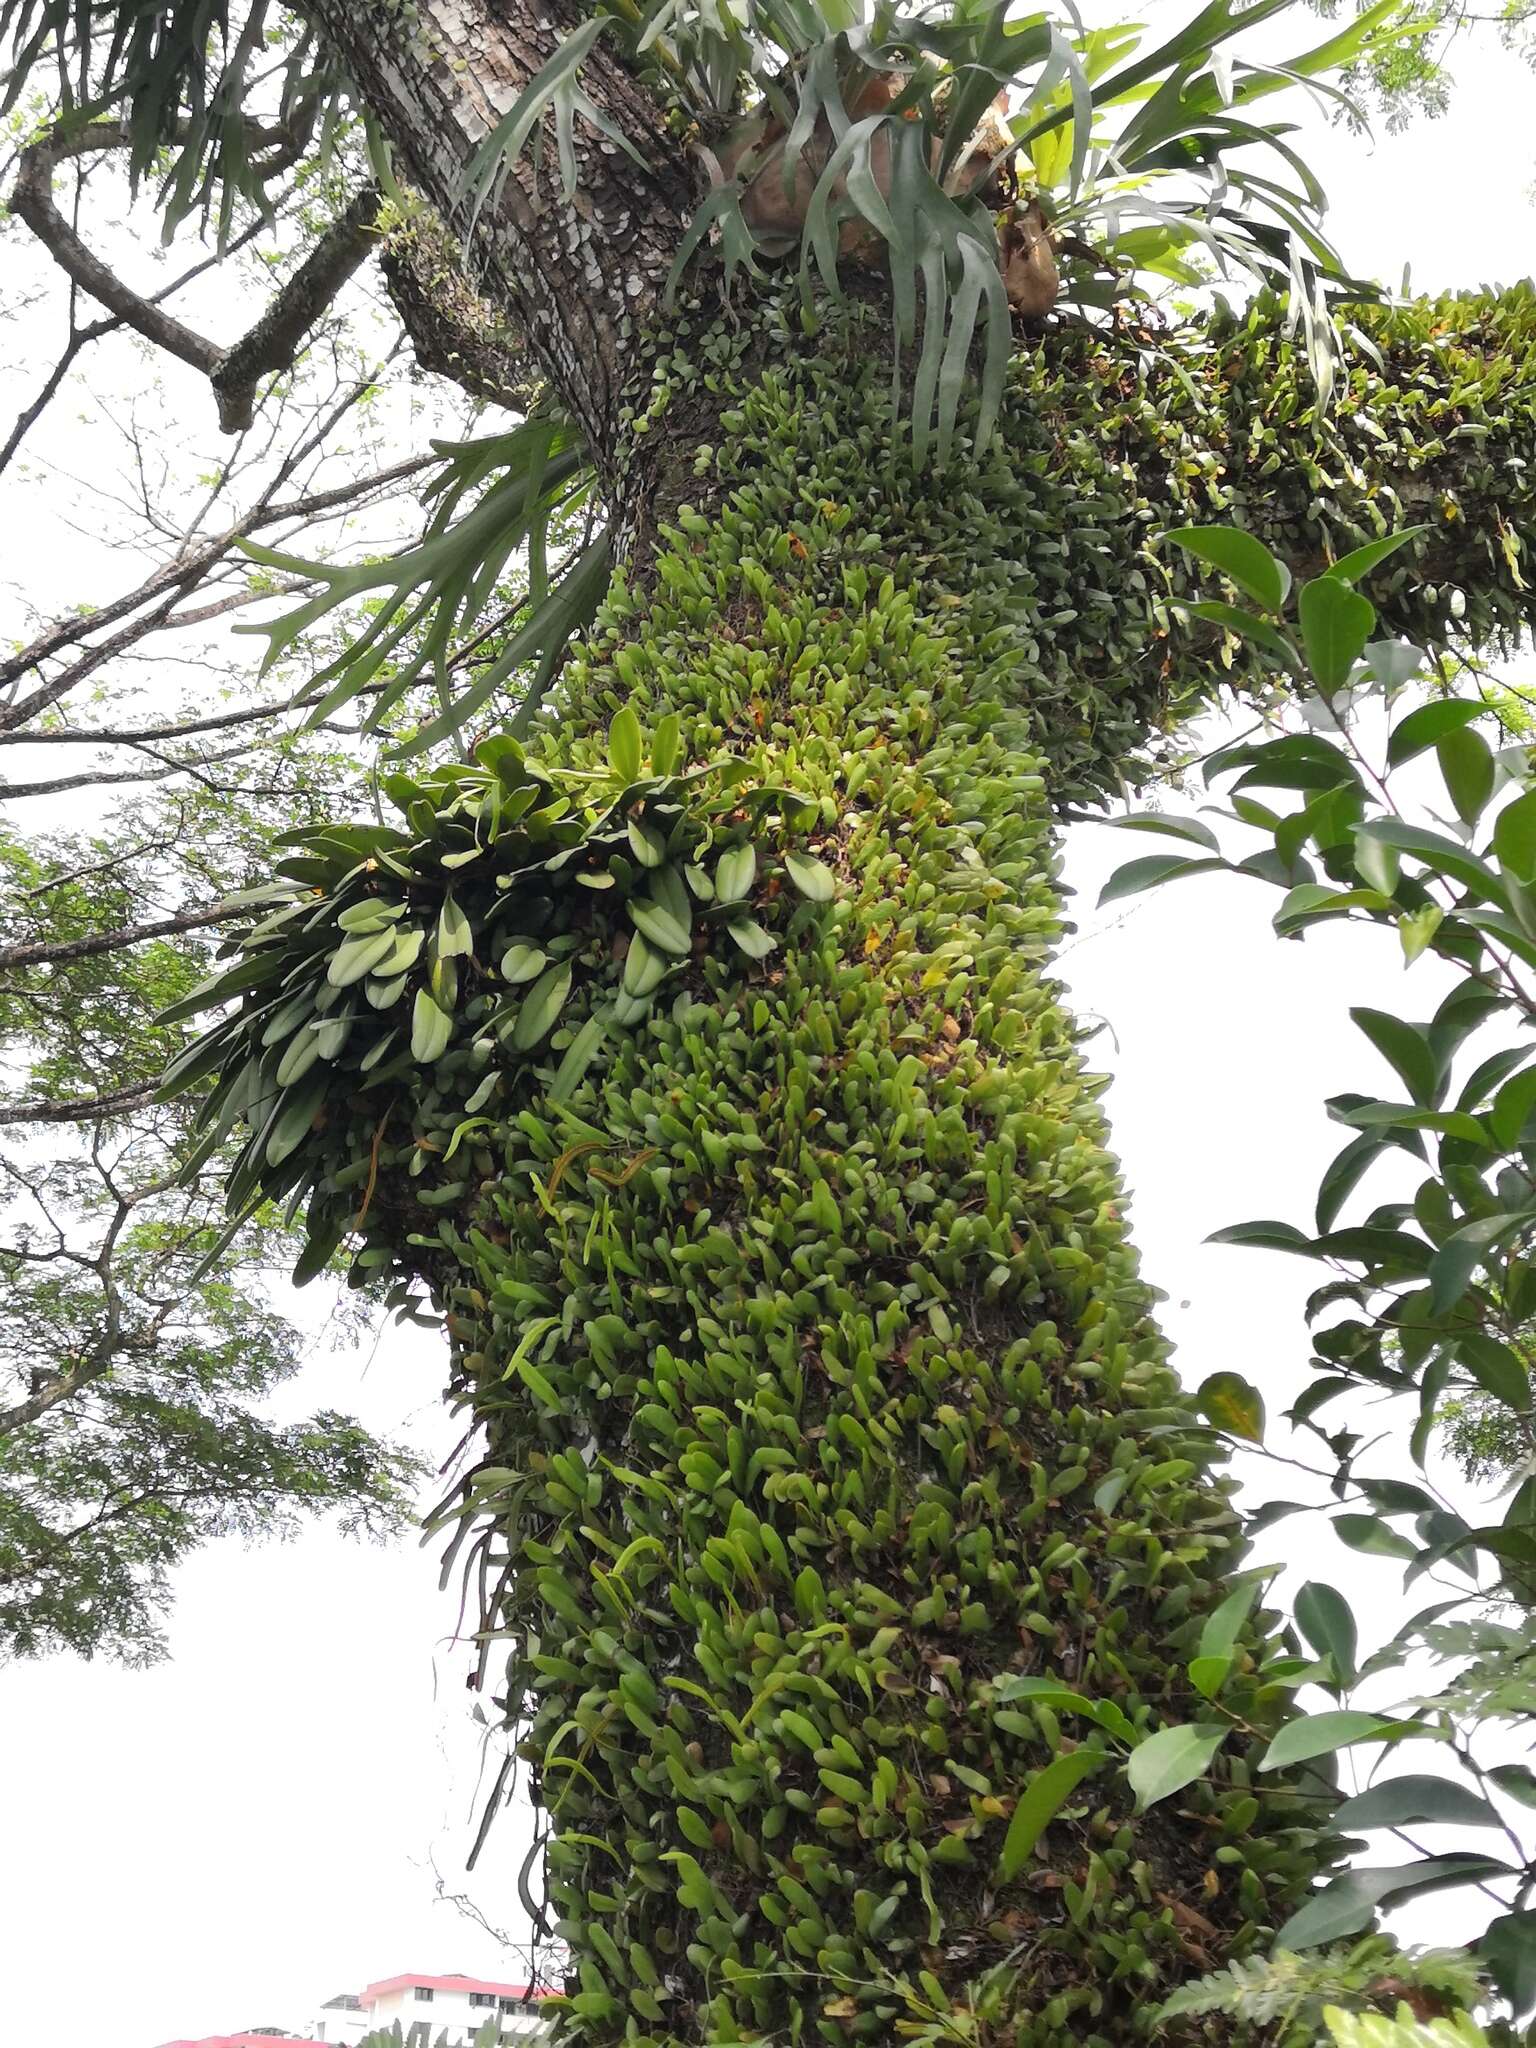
247,2041
388,1985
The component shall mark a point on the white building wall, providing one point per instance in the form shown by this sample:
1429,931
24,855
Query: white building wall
445,2012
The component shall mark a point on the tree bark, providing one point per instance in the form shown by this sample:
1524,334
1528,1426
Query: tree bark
580,280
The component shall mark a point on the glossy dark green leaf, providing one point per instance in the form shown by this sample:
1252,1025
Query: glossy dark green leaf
1466,762
1497,1368
1507,1949
1370,1534
1166,1762
1336,622
1514,838
1239,556
1349,1903
1265,1234
1406,1049
1465,1250
1351,567
1151,870
1427,726
1314,1735
1323,1615
1193,829
1248,627
1398,1802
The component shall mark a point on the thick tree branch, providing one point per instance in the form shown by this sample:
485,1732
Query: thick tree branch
578,278
61,952
85,1109
454,332
272,344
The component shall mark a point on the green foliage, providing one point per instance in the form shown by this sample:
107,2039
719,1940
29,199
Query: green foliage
1431,1297
1375,2030
1102,451
178,75
133,1386
517,492
843,1529
895,169
1287,1994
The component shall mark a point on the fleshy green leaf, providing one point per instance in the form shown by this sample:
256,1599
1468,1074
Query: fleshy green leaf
1042,1798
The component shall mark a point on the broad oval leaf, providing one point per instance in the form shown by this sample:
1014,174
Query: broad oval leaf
521,962
1149,871
1239,556
1336,622
1173,1758
431,1028
734,873
1323,1615
1419,1797
541,1007
1514,838
1427,726
1231,1403
813,878
624,755
1348,1904
1314,1735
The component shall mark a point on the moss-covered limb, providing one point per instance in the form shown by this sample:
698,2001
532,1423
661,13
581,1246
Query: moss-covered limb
823,1399
822,1393
1049,547
736,1126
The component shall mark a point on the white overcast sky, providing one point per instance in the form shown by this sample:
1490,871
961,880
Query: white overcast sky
230,1838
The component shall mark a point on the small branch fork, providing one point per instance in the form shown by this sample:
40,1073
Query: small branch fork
273,343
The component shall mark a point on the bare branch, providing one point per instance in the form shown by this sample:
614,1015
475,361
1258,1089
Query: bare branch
51,953
32,201
85,1109
274,341
170,582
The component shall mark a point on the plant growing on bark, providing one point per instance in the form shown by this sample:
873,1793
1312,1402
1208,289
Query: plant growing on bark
844,1532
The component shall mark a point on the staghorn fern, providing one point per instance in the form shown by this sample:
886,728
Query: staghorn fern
1137,149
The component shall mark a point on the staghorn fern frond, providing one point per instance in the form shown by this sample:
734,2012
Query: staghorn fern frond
495,498
861,135
179,76
1402,2030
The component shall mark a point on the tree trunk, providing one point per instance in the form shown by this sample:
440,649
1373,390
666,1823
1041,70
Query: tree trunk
848,1405
827,1416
